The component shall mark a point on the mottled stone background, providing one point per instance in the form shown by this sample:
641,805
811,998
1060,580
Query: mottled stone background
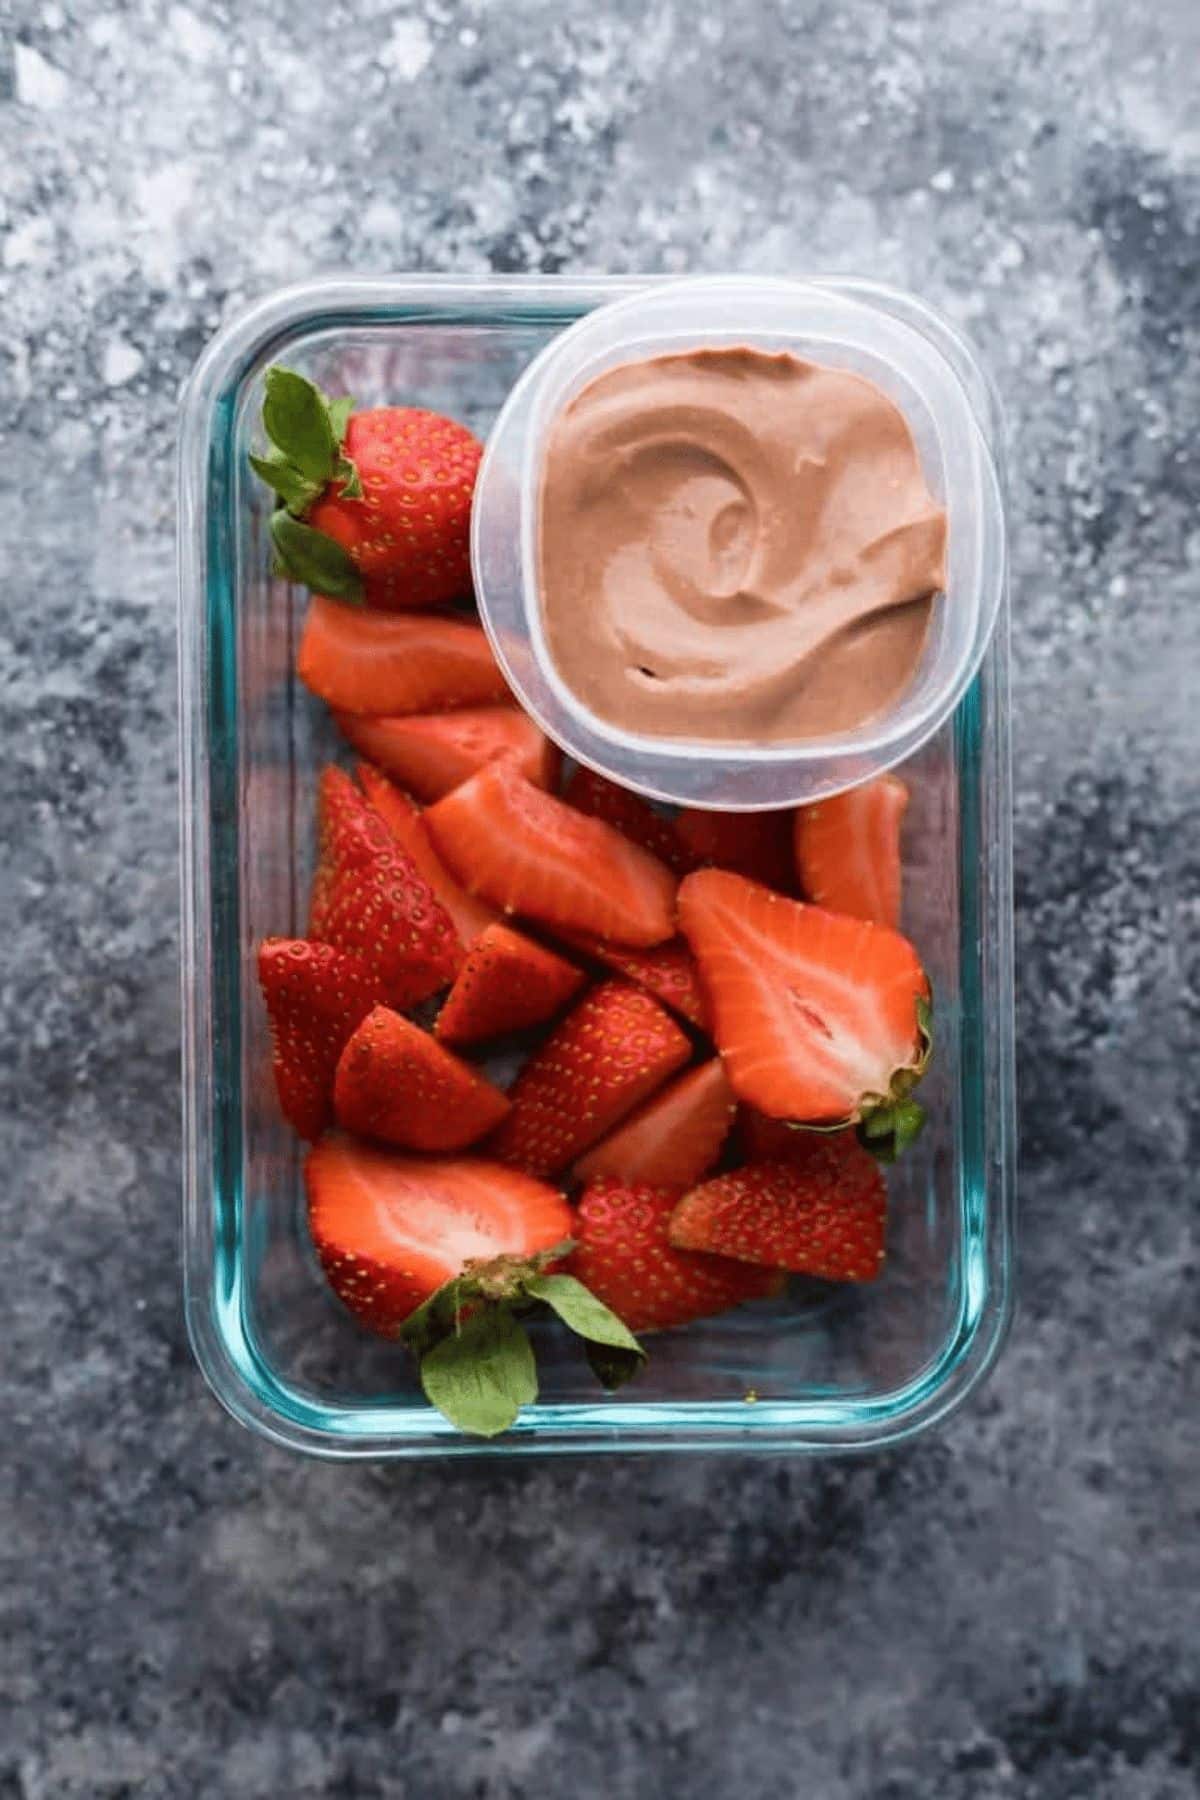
1010,1608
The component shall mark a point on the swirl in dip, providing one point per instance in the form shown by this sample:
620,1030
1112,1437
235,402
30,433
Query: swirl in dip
735,545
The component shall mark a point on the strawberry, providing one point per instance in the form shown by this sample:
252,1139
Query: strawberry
610,1052
673,1139
632,816
372,899
395,1082
365,662
530,853
818,1017
761,1139
391,1229
403,819
506,984
823,1217
758,845
623,1254
668,971
848,850
430,753
315,998
373,505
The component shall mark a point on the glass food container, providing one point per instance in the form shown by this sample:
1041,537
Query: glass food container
821,1368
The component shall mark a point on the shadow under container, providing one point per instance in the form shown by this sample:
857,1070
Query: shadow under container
821,1368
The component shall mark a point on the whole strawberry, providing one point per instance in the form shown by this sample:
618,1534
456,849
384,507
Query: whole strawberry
375,506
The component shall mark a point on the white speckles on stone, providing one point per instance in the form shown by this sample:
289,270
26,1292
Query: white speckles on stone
409,50
198,40
29,242
943,181
121,362
38,83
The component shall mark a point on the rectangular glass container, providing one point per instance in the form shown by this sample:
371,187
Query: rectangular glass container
819,1369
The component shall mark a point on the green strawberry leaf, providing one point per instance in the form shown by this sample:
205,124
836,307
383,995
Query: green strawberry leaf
339,416
294,489
612,1367
296,419
434,1318
579,1308
346,473
482,1375
315,560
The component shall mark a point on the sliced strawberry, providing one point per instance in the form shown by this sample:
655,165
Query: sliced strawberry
390,1229
623,1255
668,971
406,823
823,1217
373,900
315,997
673,1139
530,853
848,850
818,1017
431,753
360,661
610,1052
395,1082
506,984
758,845
632,816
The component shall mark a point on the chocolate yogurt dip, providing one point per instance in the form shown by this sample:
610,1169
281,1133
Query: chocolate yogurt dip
735,545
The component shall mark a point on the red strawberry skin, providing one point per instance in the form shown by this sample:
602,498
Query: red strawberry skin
673,1139
372,899
508,983
395,1082
814,1014
315,997
390,1229
824,1217
409,534
610,1053
757,845
632,816
530,853
431,753
668,971
404,820
623,1255
359,661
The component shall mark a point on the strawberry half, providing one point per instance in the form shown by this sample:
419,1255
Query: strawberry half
431,753
371,899
610,1053
823,1217
530,853
757,845
507,983
818,1017
848,850
668,971
391,1229
374,506
404,820
394,1082
375,662
632,816
671,1141
623,1254
315,996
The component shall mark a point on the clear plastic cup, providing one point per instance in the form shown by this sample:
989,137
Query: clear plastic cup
819,324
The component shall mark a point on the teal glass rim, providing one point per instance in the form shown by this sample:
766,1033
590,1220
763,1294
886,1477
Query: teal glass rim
219,1318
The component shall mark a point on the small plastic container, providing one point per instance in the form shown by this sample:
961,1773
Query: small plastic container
818,323
820,1369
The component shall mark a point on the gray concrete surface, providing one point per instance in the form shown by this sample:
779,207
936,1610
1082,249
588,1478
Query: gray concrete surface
1009,1608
